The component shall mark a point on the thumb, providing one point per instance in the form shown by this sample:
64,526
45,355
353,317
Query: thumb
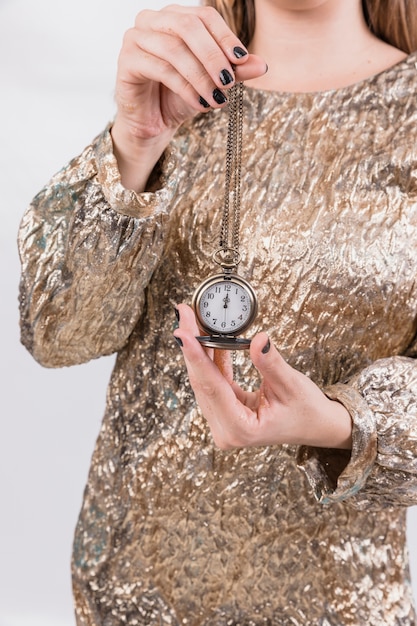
223,360
275,371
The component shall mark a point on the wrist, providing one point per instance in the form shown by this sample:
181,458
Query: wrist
338,427
137,156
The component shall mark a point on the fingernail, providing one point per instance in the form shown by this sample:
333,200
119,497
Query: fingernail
266,67
239,52
226,77
179,341
266,347
177,313
204,102
219,97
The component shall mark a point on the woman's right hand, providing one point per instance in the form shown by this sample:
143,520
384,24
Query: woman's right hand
174,63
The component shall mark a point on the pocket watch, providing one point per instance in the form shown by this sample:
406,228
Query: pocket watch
225,304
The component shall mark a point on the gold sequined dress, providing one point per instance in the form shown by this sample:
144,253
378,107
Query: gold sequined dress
173,531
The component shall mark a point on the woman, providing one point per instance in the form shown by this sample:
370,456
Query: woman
280,498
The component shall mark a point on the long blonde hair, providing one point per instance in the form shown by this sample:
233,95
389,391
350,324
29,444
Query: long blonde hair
394,21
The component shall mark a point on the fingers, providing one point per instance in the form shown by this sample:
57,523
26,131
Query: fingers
214,394
288,408
189,50
221,358
224,363
186,320
236,417
190,60
162,59
306,415
279,377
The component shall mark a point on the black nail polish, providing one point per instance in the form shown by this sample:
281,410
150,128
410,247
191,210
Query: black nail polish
179,341
226,77
177,313
219,97
204,102
239,52
266,347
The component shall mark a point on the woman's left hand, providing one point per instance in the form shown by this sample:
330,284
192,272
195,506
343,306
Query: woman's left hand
288,408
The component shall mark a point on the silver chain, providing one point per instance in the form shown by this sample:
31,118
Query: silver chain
232,197
229,241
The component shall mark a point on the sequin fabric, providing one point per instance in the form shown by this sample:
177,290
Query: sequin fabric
173,531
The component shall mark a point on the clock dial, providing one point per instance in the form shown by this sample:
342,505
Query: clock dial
225,306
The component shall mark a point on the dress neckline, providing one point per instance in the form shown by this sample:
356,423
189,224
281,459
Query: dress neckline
409,61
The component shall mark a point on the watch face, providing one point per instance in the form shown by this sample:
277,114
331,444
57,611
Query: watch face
225,305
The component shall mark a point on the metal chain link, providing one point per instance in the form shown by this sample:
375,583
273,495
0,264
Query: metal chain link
233,184
232,195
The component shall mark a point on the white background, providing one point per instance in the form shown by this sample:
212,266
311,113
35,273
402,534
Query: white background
57,70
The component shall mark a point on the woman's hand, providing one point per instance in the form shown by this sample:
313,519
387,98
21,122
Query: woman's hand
288,407
174,63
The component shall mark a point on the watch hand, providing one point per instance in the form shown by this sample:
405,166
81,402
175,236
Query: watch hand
226,301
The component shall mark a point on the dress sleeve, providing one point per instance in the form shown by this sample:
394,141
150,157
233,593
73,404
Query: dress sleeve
381,469
88,248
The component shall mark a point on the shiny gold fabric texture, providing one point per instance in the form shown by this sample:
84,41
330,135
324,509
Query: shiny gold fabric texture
172,530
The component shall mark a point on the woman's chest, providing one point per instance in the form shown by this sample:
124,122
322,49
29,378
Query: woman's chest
328,239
